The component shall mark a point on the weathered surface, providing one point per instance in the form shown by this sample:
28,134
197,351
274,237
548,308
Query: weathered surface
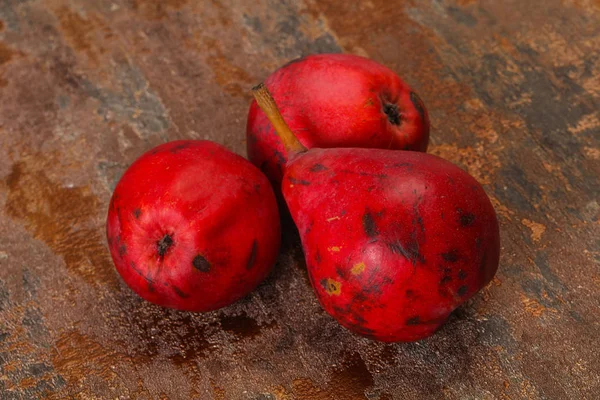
88,85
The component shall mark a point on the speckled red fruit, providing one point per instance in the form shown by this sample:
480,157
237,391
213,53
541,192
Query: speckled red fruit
394,240
193,226
337,100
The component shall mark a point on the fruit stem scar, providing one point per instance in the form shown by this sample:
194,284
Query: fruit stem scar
269,107
164,244
392,112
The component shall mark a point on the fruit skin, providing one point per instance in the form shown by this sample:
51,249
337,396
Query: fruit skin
394,241
221,216
345,96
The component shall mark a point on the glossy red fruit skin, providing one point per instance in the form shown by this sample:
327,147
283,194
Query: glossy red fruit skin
344,95
220,213
394,241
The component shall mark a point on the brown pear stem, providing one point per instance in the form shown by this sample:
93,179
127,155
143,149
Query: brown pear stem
267,104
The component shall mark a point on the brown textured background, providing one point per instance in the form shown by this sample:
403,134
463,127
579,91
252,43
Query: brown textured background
513,88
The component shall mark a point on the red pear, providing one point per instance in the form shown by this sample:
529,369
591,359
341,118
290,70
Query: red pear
337,100
394,240
193,226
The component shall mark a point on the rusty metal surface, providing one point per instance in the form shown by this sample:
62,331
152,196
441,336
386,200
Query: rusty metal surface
87,85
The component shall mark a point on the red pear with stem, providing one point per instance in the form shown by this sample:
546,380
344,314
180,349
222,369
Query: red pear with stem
394,240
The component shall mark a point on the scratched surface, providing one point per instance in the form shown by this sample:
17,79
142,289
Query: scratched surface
513,89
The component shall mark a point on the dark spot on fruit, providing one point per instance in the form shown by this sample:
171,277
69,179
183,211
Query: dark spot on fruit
180,146
309,228
451,256
331,286
442,215
405,165
318,256
363,331
410,294
416,320
298,181
466,219
279,155
201,263
445,279
360,297
252,256
318,168
478,242
483,262
257,188
418,103
136,213
180,292
462,290
122,250
164,244
140,273
373,288
369,225
392,112
409,251
462,275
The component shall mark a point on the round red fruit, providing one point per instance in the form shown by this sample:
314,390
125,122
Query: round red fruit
193,226
337,100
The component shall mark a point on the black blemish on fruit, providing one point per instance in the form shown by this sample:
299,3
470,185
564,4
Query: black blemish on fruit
257,188
180,292
298,181
451,256
363,331
279,155
445,279
309,228
483,262
369,225
360,297
462,275
201,263
122,250
136,213
410,251
373,288
330,286
180,146
466,219
402,165
418,103
318,168
478,242
360,173
318,256
462,290
416,320
164,244
252,256
140,273
392,112
418,220
410,294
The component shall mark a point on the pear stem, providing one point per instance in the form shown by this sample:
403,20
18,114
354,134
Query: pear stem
267,104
